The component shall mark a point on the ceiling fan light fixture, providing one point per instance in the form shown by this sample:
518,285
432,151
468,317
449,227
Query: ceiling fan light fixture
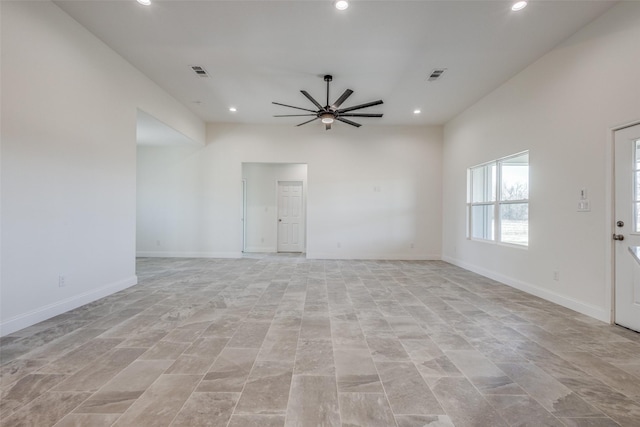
144,2
519,5
327,118
341,4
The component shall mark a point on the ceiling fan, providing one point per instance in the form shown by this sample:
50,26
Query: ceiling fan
329,113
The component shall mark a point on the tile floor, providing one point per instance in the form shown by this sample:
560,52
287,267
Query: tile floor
285,341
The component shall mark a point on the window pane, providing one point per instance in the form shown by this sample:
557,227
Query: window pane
637,154
636,186
482,222
515,178
483,183
636,216
514,223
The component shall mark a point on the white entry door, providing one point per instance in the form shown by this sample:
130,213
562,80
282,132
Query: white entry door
290,217
626,227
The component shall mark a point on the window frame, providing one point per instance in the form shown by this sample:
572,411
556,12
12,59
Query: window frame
497,202
636,184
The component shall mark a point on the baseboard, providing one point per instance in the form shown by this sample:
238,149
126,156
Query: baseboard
25,320
580,307
158,254
261,249
365,256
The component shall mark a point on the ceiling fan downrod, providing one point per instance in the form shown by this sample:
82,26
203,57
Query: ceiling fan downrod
328,78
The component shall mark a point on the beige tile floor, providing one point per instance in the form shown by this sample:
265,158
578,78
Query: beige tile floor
284,341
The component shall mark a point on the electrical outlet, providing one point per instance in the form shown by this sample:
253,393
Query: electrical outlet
158,244
61,282
412,246
556,275
339,244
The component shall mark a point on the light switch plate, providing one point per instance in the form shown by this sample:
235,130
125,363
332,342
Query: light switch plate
584,206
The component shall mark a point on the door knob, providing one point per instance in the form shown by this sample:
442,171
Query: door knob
279,220
620,223
618,237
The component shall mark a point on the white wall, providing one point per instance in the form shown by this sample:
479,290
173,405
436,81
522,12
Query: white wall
69,106
346,167
562,108
170,198
262,201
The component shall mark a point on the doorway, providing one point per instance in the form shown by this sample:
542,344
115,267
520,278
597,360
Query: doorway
626,234
264,206
244,215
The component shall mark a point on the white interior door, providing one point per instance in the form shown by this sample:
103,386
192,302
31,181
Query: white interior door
626,232
290,217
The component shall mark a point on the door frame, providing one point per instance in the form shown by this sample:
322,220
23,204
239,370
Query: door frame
244,215
304,211
610,200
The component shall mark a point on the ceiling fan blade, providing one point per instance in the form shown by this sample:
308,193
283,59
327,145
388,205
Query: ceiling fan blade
308,121
316,103
293,115
327,126
357,107
348,122
291,106
347,93
360,115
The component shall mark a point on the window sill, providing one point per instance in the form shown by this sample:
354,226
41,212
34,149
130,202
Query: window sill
506,244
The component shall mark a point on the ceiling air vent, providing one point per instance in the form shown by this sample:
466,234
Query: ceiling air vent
199,71
435,74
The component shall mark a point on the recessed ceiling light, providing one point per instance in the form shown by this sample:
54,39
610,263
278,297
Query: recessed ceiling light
341,4
145,2
417,111
233,109
519,5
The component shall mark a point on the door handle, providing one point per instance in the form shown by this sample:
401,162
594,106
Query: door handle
618,237
279,220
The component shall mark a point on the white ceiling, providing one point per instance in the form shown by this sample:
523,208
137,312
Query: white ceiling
257,52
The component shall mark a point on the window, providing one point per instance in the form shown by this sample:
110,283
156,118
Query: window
498,200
